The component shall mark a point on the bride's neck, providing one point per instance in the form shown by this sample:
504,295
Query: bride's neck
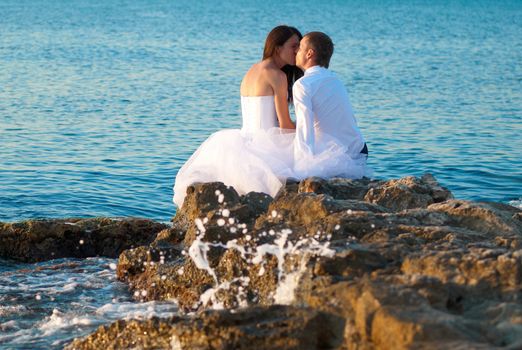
277,61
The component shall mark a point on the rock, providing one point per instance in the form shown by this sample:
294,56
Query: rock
171,235
304,208
395,264
202,198
338,188
175,277
257,202
408,193
39,240
131,262
282,327
478,267
437,192
309,209
481,216
408,312
218,207
350,263
291,186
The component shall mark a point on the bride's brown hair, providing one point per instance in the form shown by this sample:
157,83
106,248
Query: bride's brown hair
276,38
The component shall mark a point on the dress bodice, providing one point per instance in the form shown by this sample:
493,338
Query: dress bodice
258,113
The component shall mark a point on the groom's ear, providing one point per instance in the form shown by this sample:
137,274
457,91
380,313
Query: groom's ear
310,53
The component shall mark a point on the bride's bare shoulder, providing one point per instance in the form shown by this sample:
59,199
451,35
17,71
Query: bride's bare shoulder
253,71
261,78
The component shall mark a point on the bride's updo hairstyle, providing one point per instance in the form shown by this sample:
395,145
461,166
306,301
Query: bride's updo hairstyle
276,38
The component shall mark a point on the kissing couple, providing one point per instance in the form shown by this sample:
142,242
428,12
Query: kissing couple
270,148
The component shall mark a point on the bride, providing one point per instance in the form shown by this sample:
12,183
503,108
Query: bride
259,157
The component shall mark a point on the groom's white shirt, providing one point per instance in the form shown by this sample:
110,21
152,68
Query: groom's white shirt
322,106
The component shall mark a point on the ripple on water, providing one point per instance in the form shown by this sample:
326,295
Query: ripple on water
107,120
45,305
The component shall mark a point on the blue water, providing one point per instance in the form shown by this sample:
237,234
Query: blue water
46,305
101,102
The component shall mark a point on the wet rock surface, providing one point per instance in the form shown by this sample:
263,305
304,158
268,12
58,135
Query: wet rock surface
271,327
336,264
40,240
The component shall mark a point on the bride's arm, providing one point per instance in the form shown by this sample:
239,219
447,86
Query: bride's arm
280,87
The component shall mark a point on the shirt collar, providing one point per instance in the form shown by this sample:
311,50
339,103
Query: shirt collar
314,69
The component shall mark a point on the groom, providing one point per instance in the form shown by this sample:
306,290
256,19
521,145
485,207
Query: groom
321,101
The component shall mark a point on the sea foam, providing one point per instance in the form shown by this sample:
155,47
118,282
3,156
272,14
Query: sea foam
280,248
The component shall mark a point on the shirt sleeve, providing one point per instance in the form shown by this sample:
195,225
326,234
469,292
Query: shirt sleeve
304,133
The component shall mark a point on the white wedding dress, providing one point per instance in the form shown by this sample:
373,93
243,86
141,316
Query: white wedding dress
260,156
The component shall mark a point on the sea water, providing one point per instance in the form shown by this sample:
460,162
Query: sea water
101,102
46,305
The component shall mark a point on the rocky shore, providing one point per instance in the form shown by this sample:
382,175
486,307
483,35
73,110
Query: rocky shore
326,264
41,240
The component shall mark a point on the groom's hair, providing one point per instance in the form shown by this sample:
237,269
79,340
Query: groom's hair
323,47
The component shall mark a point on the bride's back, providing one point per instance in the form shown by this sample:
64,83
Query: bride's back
257,97
258,80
